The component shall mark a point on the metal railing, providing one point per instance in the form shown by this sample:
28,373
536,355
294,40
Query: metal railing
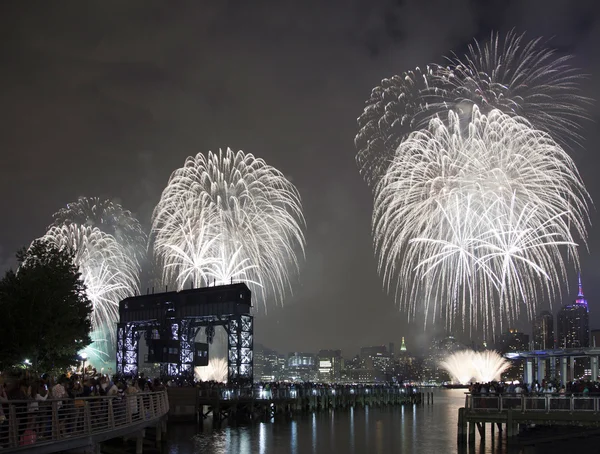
30,423
274,393
533,402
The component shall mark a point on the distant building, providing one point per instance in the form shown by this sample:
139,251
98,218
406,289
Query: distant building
330,365
378,350
403,346
391,348
376,365
301,367
543,331
573,323
406,367
439,350
595,335
268,364
513,341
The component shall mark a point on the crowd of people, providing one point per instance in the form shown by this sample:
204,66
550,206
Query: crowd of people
34,397
576,387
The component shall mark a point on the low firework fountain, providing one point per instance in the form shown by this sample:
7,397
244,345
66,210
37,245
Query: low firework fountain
467,365
215,371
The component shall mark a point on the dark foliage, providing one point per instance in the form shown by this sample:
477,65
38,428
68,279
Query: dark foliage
44,310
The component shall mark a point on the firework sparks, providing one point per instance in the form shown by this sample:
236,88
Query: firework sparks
467,365
228,216
109,273
473,223
510,74
215,371
108,217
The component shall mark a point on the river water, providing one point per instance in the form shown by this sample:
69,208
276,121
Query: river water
427,429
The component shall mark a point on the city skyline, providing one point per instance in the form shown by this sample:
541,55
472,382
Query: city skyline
85,118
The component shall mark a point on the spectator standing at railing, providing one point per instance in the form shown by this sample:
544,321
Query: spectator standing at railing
132,400
112,389
59,391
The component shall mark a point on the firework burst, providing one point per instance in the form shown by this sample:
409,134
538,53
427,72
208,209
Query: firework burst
520,78
109,273
215,371
108,217
473,223
228,216
483,367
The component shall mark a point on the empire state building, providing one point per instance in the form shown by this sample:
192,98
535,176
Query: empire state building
573,323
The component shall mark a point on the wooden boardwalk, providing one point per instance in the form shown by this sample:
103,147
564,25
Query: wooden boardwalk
509,411
86,422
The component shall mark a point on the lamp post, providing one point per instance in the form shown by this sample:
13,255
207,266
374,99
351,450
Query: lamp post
83,358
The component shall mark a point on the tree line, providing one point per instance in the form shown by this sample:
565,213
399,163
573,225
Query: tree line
44,311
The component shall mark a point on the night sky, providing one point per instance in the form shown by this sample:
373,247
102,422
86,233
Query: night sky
107,98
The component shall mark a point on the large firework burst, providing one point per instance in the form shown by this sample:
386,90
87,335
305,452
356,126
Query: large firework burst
473,223
228,216
510,74
109,217
110,275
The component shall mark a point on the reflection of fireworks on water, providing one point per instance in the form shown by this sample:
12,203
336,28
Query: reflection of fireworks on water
109,273
228,216
517,77
215,371
473,223
467,365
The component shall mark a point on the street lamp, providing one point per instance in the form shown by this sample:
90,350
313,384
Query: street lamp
83,357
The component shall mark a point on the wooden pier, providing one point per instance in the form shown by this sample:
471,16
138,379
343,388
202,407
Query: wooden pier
511,411
236,405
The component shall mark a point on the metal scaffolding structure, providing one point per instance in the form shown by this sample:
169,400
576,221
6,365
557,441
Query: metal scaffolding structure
171,322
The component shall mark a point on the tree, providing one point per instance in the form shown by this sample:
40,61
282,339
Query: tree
44,310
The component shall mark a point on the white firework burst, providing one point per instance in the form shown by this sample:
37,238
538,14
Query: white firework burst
109,273
518,77
216,370
109,217
467,365
229,216
475,223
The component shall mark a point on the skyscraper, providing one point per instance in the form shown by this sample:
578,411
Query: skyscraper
513,341
573,324
543,331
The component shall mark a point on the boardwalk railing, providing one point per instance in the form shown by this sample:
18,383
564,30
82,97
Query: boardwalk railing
261,393
532,402
37,424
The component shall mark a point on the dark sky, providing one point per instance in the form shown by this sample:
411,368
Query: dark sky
106,98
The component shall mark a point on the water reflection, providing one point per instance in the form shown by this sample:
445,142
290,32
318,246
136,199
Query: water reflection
262,442
352,430
294,438
314,432
408,429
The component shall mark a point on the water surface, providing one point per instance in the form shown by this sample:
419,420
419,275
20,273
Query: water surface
427,429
